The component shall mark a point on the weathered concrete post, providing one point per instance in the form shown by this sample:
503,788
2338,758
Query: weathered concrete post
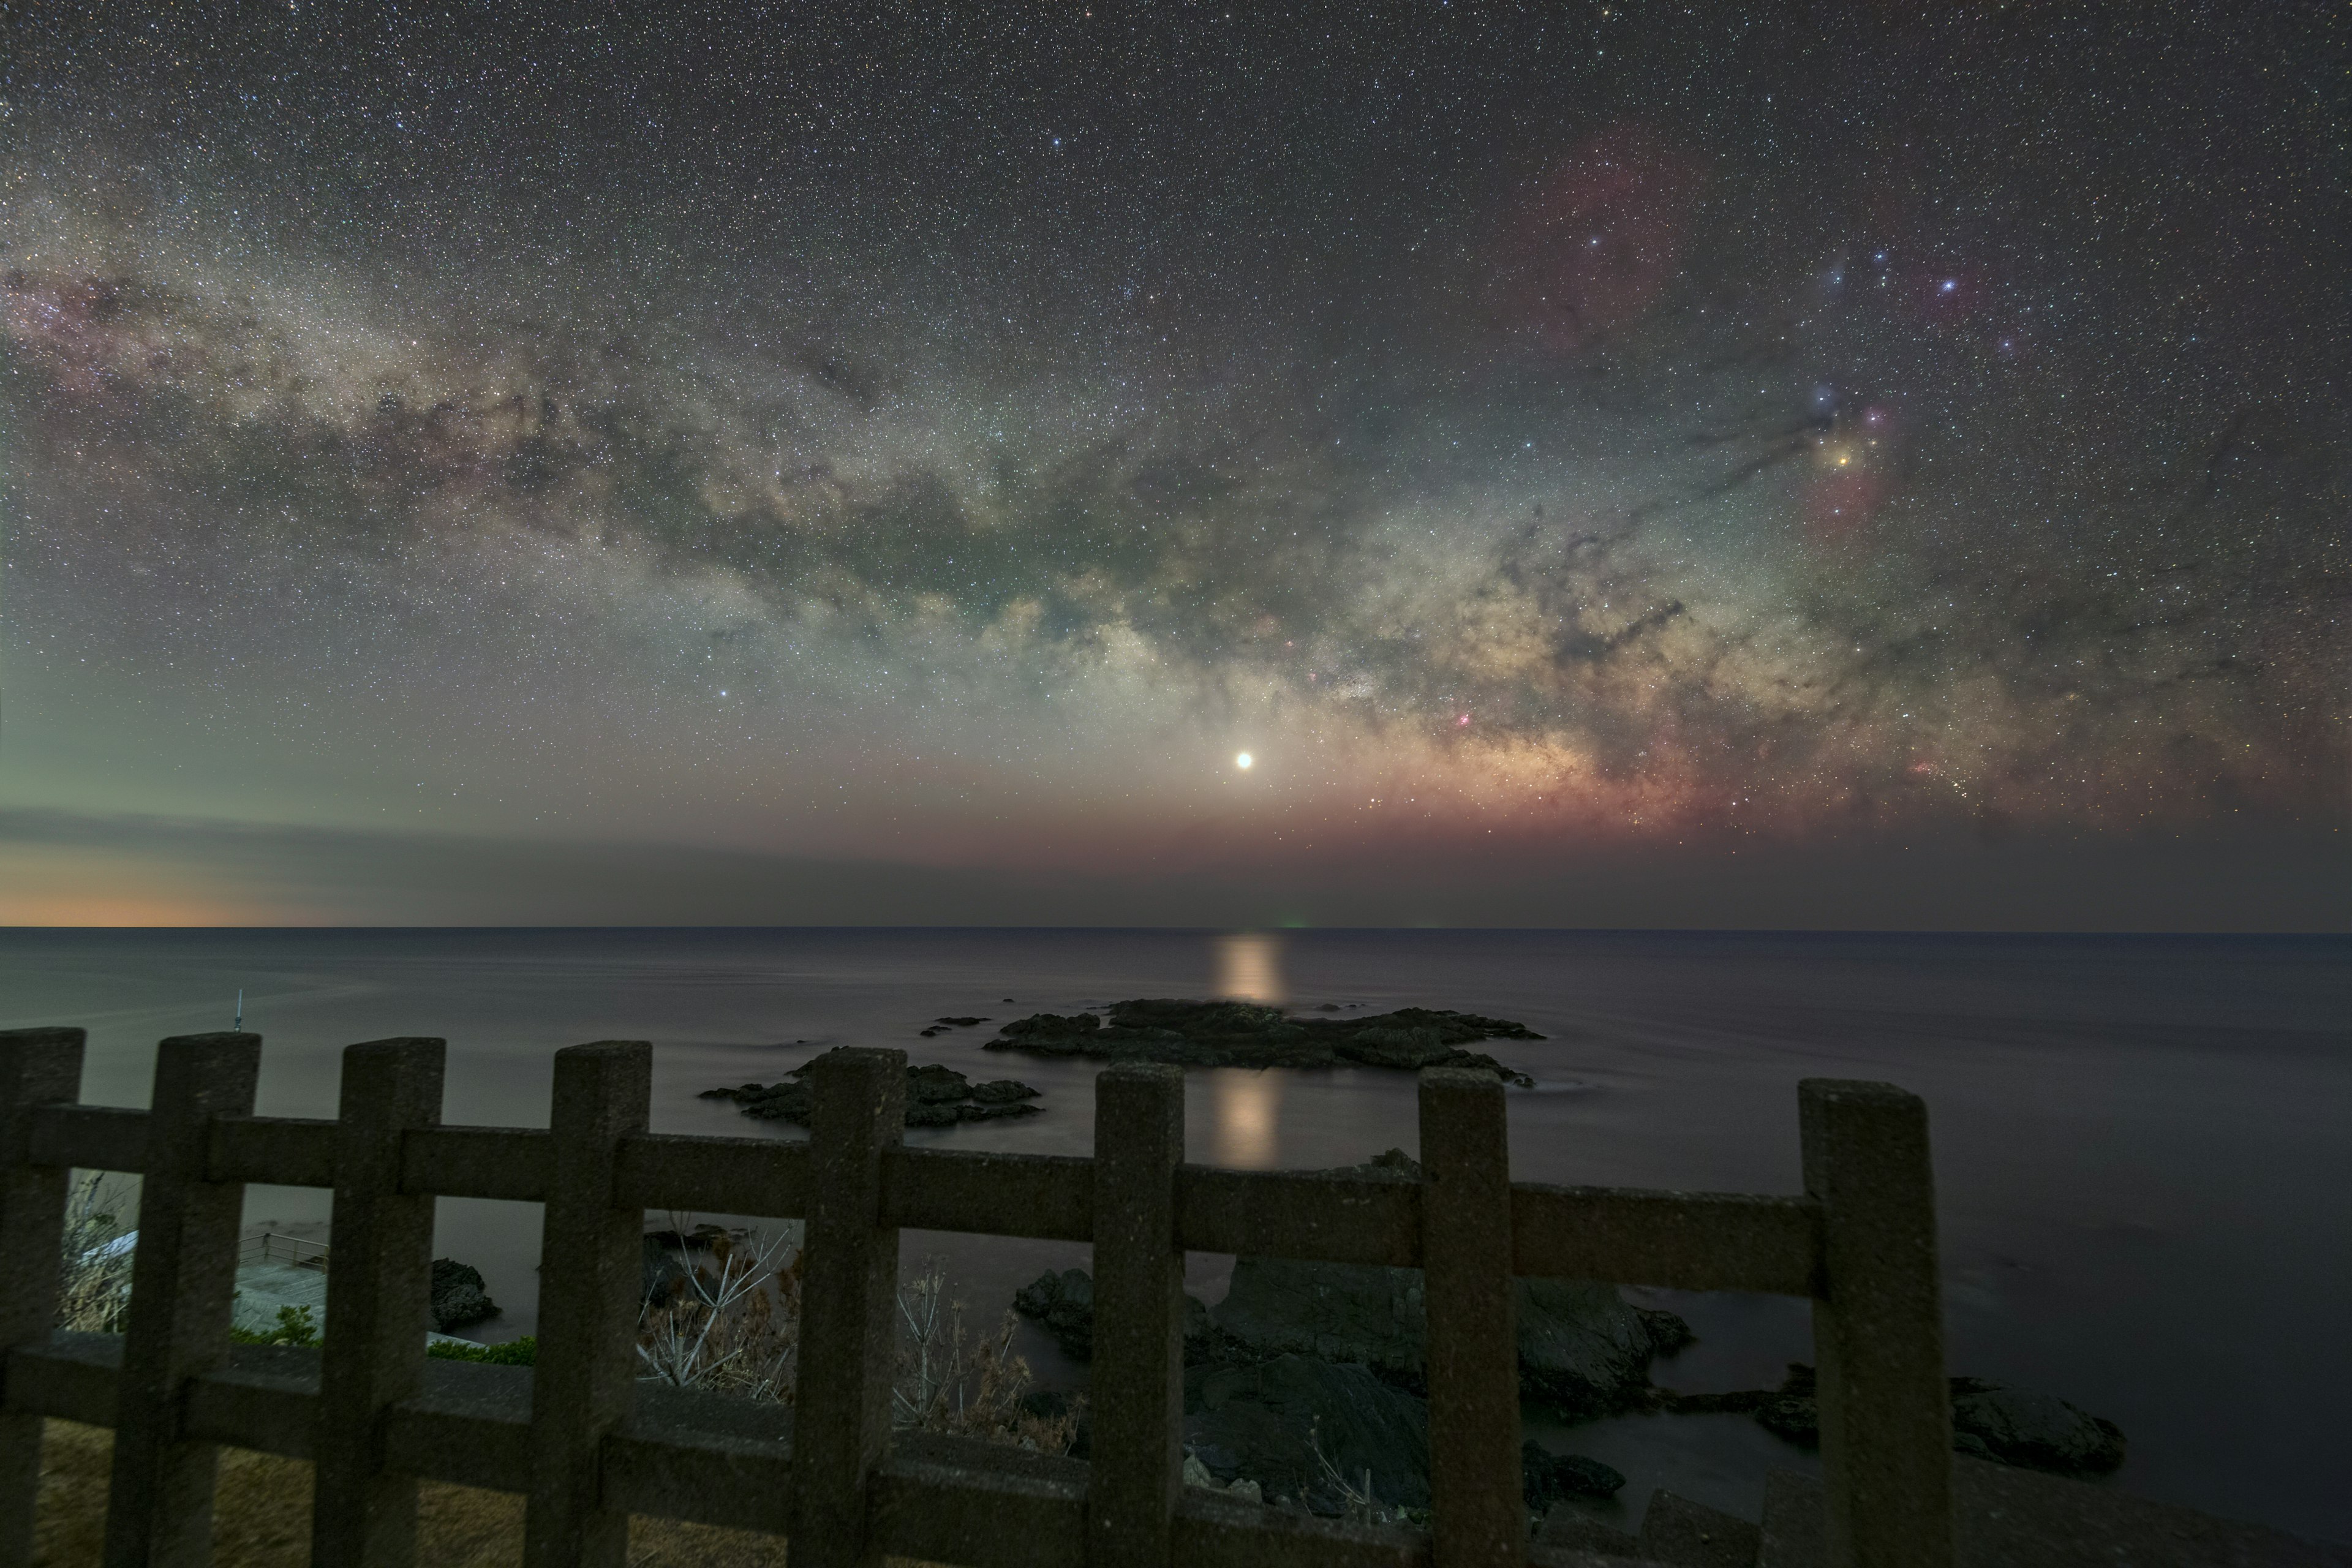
1878,1327
37,1067
1479,1516
590,1273
183,1287
379,1296
1137,1377
841,1420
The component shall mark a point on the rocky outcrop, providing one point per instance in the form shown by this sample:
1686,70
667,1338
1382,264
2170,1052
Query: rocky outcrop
1243,1033
459,1297
1063,1306
1581,1346
1547,1477
2010,1426
1308,1430
937,1096
2033,1431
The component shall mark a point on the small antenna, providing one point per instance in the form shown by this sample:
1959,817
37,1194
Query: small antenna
239,1025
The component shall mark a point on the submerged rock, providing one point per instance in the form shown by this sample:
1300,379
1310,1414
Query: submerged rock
459,1297
937,1096
1243,1034
1309,1431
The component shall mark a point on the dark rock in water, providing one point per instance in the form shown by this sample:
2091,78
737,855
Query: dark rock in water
1796,1419
1063,1304
1581,1346
1290,1423
937,1096
1668,1334
1328,1007
2034,1431
2011,1425
459,1297
937,1085
961,1022
1547,1477
982,1111
1243,1033
1583,1476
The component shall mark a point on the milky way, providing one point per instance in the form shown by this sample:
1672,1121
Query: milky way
953,440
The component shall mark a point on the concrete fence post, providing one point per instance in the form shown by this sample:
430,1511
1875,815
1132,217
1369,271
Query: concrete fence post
182,1291
1136,1452
590,1269
1878,1327
378,1299
37,1067
848,1352
1477,1513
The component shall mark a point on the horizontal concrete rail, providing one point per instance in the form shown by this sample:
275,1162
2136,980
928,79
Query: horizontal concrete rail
1859,1242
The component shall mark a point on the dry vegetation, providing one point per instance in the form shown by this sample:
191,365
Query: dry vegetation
728,1323
263,1517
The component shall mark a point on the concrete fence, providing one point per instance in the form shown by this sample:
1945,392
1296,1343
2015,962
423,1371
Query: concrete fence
588,1444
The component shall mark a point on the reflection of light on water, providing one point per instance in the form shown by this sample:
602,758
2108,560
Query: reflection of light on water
1249,968
1249,1118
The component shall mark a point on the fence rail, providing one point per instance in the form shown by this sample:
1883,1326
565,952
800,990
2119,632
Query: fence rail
588,1445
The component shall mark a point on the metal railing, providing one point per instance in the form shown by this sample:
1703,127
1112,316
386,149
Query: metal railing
272,1247
589,1445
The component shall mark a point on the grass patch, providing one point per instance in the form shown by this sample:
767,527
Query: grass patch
262,1518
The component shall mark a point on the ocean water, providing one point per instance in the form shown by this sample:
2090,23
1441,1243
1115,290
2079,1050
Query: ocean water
2143,1161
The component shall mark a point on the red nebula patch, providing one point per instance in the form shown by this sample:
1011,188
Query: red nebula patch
1595,243
1840,502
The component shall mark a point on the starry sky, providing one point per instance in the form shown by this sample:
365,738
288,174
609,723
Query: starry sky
1605,463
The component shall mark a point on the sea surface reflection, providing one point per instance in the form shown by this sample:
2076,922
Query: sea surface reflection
1249,968
1247,1105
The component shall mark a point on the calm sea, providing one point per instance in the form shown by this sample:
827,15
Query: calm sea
2142,1148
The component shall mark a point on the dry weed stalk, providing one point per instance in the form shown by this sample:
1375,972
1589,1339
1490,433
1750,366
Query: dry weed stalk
737,1332
94,1277
951,1379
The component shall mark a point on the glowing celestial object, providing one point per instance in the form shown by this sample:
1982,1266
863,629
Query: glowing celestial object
1242,760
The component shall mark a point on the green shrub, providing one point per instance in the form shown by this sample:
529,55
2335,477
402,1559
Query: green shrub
295,1327
523,1352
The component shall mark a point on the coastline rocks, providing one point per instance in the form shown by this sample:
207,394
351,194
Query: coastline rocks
1246,1035
1581,1346
459,1298
1546,1477
1277,1423
1990,1421
937,1096
1063,1306
2033,1431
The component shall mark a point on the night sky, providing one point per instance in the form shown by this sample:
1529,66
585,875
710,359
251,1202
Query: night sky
1831,465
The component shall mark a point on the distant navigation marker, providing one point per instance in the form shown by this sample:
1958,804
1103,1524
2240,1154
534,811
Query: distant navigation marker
239,1025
